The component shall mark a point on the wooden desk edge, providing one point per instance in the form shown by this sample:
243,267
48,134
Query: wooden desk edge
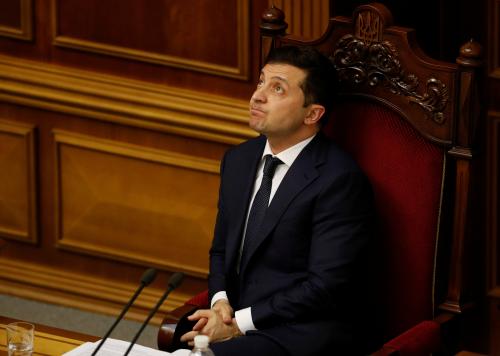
48,340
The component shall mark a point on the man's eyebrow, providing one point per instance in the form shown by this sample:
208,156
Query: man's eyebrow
282,79
276,77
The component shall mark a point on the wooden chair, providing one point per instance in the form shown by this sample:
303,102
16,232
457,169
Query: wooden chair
409,122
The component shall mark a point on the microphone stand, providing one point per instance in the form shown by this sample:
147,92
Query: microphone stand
146,279
174,281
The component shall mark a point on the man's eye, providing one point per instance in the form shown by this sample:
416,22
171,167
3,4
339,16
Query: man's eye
260,82
278,89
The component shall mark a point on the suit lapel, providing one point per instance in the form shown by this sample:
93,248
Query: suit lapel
245,173
301,174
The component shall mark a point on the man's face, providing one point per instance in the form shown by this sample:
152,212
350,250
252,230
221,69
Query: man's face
277,105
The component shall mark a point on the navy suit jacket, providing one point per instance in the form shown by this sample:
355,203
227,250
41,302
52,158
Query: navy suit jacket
304,274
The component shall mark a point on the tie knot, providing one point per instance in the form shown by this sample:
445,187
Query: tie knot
270,165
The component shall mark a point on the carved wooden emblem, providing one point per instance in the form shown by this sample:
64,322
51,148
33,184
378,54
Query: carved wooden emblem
364,58
369,27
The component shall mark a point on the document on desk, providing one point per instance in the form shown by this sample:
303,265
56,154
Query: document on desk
113,347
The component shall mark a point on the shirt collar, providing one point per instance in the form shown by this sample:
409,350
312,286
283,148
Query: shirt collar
289,155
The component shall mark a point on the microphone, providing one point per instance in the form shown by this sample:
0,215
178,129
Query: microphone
146,279
174,282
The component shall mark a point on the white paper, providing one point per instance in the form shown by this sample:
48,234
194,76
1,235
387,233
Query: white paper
114,347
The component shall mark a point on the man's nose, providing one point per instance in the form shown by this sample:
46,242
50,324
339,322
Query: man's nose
258,96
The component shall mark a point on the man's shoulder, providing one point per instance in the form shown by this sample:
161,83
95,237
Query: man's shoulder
336,156
250,146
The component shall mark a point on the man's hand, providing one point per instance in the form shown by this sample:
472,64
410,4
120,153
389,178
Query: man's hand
225,310
210,323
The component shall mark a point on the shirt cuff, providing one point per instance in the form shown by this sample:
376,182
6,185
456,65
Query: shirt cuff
244,320
218,296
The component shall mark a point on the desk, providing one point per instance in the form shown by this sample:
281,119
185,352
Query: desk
48,340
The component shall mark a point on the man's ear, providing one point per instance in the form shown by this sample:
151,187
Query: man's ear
314,114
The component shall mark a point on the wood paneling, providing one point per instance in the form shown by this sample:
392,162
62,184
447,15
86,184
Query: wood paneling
122,101
80,290
136,204
494,204
494,39
180,34
493,173
494,313
150,95
16,19
196,43
307,19
18,205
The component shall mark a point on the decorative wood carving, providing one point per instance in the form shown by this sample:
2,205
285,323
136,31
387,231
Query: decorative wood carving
18,198
365,60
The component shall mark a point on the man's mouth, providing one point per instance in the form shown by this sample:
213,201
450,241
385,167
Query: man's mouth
256,111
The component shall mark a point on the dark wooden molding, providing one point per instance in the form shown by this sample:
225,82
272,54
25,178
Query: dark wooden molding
25,30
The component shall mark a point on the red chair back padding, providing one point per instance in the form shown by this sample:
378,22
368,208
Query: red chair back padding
200,300
406,173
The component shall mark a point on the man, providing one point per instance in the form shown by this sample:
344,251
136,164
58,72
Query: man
285,279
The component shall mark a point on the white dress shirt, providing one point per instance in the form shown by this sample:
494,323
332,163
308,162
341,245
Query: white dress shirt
244,316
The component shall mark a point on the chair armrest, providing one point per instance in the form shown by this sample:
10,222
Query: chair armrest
422,339
175,323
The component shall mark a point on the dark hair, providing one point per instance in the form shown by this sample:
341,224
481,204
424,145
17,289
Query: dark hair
320,84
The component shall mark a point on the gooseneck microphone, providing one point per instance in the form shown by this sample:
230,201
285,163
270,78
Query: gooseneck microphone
146,279
174,282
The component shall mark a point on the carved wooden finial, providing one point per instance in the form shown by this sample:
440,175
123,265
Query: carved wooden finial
470,54
273,21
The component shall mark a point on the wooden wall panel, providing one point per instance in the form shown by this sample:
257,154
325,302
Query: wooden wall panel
125,102
493,232
63,286
134,203
153,91
16,19
148,44
307,19
56,264
493,172
18,205
494,203
183,34
494,39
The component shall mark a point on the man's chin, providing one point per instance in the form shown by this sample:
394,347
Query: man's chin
256,125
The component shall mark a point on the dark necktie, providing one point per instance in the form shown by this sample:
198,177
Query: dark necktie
261,201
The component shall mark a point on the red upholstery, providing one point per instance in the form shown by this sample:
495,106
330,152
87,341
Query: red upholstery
405,172
199,300
422,339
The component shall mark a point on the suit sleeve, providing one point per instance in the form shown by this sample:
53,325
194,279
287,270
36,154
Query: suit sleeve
341,227
216,278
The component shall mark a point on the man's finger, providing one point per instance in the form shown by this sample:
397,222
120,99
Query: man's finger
189,336
202,313
200,324
226,316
